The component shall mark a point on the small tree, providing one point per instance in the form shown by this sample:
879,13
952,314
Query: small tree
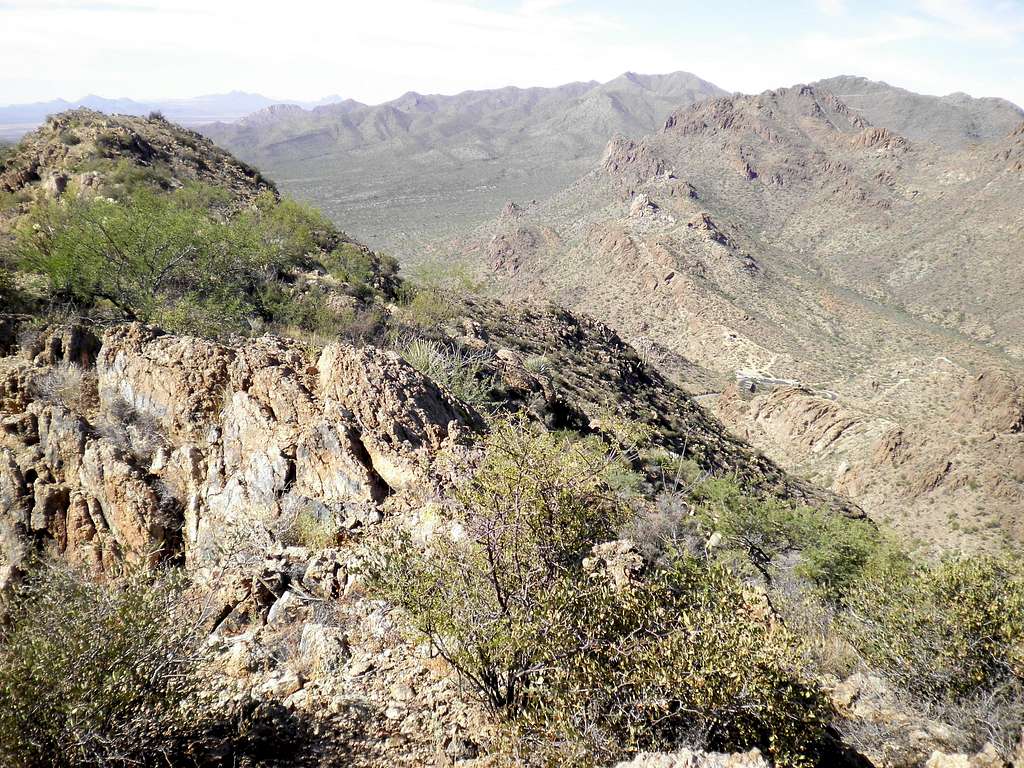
832,549
533,511
142,255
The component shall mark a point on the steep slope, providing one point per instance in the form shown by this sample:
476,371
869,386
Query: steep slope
302,491
783,240
427,165
952,121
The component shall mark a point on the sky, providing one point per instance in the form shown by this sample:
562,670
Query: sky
375,50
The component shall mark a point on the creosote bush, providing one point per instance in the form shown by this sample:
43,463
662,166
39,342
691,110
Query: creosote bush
942,631
582,668
832,549
94,674
147,257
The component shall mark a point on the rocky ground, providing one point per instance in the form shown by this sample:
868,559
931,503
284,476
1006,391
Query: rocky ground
265,466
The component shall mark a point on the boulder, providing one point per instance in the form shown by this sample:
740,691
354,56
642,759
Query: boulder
402,417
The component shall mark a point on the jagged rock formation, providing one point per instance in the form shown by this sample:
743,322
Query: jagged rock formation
239,437
125,444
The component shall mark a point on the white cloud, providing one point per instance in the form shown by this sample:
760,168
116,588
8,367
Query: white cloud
370,51
971,19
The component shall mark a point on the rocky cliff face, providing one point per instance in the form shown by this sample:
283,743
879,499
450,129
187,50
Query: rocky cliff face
155,446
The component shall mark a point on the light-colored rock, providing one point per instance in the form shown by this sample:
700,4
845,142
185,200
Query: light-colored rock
322,649
282,684
988,757
620,560
402,417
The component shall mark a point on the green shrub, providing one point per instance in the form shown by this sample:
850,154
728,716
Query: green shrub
189,260
295,231
10,296
9,200
428,297
125,178
6,153
69,138
833,549
943,631
308,315
151,257
578,665
425,308
311,528
687,655
350,264
94,674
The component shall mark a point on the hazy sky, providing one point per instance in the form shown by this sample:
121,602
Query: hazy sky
374,50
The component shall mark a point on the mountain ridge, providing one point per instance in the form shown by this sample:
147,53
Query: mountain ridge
430,163
783,242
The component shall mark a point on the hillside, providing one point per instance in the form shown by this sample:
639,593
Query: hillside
18,119
422,166
74,144
265,503
782,242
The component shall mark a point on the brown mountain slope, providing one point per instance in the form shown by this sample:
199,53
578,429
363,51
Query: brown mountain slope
427,165
782,239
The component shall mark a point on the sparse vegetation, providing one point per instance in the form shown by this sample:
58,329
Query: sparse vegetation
70,386
184,260
306,525
462,372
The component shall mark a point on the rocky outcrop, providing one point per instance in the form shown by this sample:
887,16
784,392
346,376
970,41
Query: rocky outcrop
892,735
507,250
189,444
991,401
54,155
631,161
881,139
403,417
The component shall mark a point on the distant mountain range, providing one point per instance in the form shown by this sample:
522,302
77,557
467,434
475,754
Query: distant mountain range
423,165
18,119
